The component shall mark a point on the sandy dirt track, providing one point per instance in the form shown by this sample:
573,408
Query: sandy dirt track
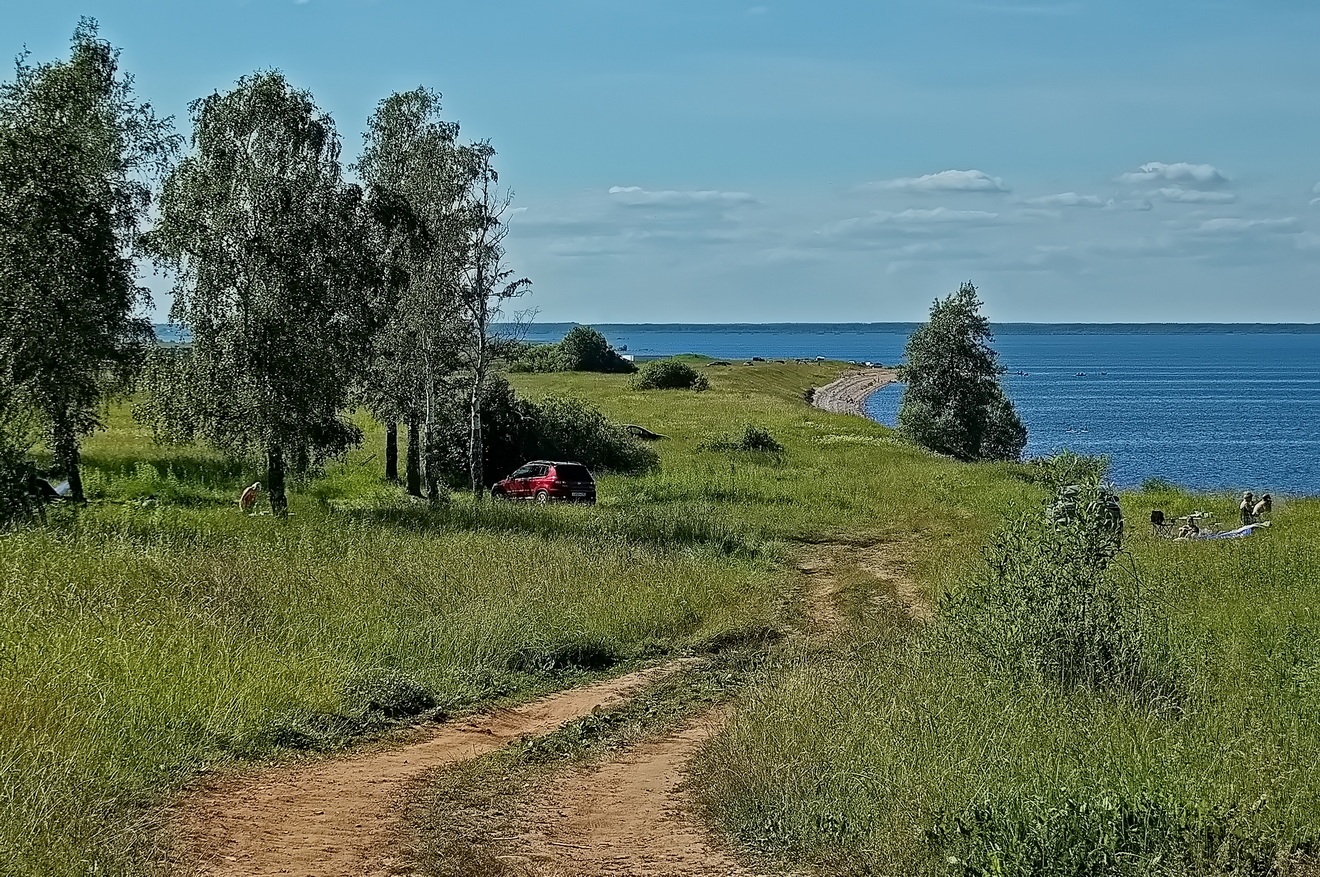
339,817
629,817
848,394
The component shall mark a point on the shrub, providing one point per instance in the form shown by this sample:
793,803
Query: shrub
525,357
1158,485
752,438
1064,468
583,349
586,350
567,428
1050,605
19,499
669,374
1102,834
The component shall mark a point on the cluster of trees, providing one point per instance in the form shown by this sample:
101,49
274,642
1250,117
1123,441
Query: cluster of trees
583,349
304,292
953,403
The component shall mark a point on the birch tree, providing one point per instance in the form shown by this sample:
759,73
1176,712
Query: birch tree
417,182
77,156
486,284
271,268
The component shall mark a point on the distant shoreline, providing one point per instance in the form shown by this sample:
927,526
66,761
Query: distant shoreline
848,394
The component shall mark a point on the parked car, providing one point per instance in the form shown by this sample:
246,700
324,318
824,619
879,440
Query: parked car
546,480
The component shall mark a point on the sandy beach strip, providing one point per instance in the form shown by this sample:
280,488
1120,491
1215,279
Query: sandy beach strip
849,393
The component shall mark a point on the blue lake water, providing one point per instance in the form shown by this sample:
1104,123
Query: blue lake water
1210,407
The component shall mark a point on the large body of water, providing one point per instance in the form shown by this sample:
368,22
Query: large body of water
1210,407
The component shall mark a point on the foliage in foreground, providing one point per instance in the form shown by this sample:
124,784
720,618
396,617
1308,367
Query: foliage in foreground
144,643
953,403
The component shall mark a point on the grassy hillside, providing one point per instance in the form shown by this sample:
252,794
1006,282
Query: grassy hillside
158,632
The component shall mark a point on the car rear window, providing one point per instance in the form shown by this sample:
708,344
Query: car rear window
573,473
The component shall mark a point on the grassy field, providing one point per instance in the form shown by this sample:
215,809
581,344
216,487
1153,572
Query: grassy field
158,632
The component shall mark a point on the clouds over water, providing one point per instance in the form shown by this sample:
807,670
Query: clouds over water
926,231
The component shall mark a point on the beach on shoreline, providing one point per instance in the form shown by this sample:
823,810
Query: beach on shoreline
848,394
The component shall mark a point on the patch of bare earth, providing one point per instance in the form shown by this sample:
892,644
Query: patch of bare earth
341,816
631,816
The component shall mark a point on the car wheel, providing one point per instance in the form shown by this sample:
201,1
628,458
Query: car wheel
496,493
542,496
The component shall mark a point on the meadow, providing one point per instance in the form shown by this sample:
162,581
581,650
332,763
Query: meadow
157,633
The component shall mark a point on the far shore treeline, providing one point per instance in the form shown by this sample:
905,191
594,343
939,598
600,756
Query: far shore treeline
306,288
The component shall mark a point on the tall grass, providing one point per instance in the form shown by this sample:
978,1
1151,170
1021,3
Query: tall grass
918,757
140,644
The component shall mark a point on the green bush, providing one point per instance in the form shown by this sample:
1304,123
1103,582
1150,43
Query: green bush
752,438
1103,836
583,349
586,350
389,693
669,374
567,428
1050,604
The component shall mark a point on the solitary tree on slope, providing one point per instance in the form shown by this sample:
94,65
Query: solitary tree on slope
953,403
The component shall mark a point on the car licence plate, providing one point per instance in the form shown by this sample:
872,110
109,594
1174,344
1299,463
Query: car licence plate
579,493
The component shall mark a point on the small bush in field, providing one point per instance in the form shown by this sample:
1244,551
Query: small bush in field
390,693
752,438
669,374
1101,834
1050,605
1158,485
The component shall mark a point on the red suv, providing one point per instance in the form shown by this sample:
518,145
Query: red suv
544,480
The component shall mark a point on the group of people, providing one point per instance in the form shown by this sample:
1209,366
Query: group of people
1252,510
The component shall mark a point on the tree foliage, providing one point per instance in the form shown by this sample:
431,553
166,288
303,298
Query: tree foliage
669,374
77,155
266,239
417,177
953,403
582,349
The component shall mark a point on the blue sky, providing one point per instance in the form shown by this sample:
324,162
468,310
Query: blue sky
714,161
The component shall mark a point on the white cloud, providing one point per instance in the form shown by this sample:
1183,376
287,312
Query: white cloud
1234,226
636,195
910,218
1065,199
1203,176
1141,205
1194,196
944,181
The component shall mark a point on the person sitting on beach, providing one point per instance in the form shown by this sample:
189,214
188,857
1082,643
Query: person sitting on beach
1263,508
249,498
1245,507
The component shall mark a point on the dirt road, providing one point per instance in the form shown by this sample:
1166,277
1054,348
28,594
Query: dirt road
629,815
339,816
